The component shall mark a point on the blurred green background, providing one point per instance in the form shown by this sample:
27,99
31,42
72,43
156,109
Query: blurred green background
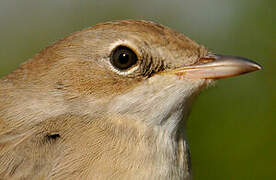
232,127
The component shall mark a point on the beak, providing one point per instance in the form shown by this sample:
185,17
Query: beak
217,67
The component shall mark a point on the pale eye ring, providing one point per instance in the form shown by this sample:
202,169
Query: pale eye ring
122,58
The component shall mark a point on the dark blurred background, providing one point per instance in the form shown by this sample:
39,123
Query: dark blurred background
232,127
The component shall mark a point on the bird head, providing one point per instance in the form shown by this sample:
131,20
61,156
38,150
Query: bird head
117,92
133,72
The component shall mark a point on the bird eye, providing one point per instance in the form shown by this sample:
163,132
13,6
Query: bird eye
122,58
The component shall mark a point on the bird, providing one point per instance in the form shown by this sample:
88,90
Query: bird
107,102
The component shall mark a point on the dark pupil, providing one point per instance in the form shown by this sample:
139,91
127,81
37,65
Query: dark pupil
123,58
